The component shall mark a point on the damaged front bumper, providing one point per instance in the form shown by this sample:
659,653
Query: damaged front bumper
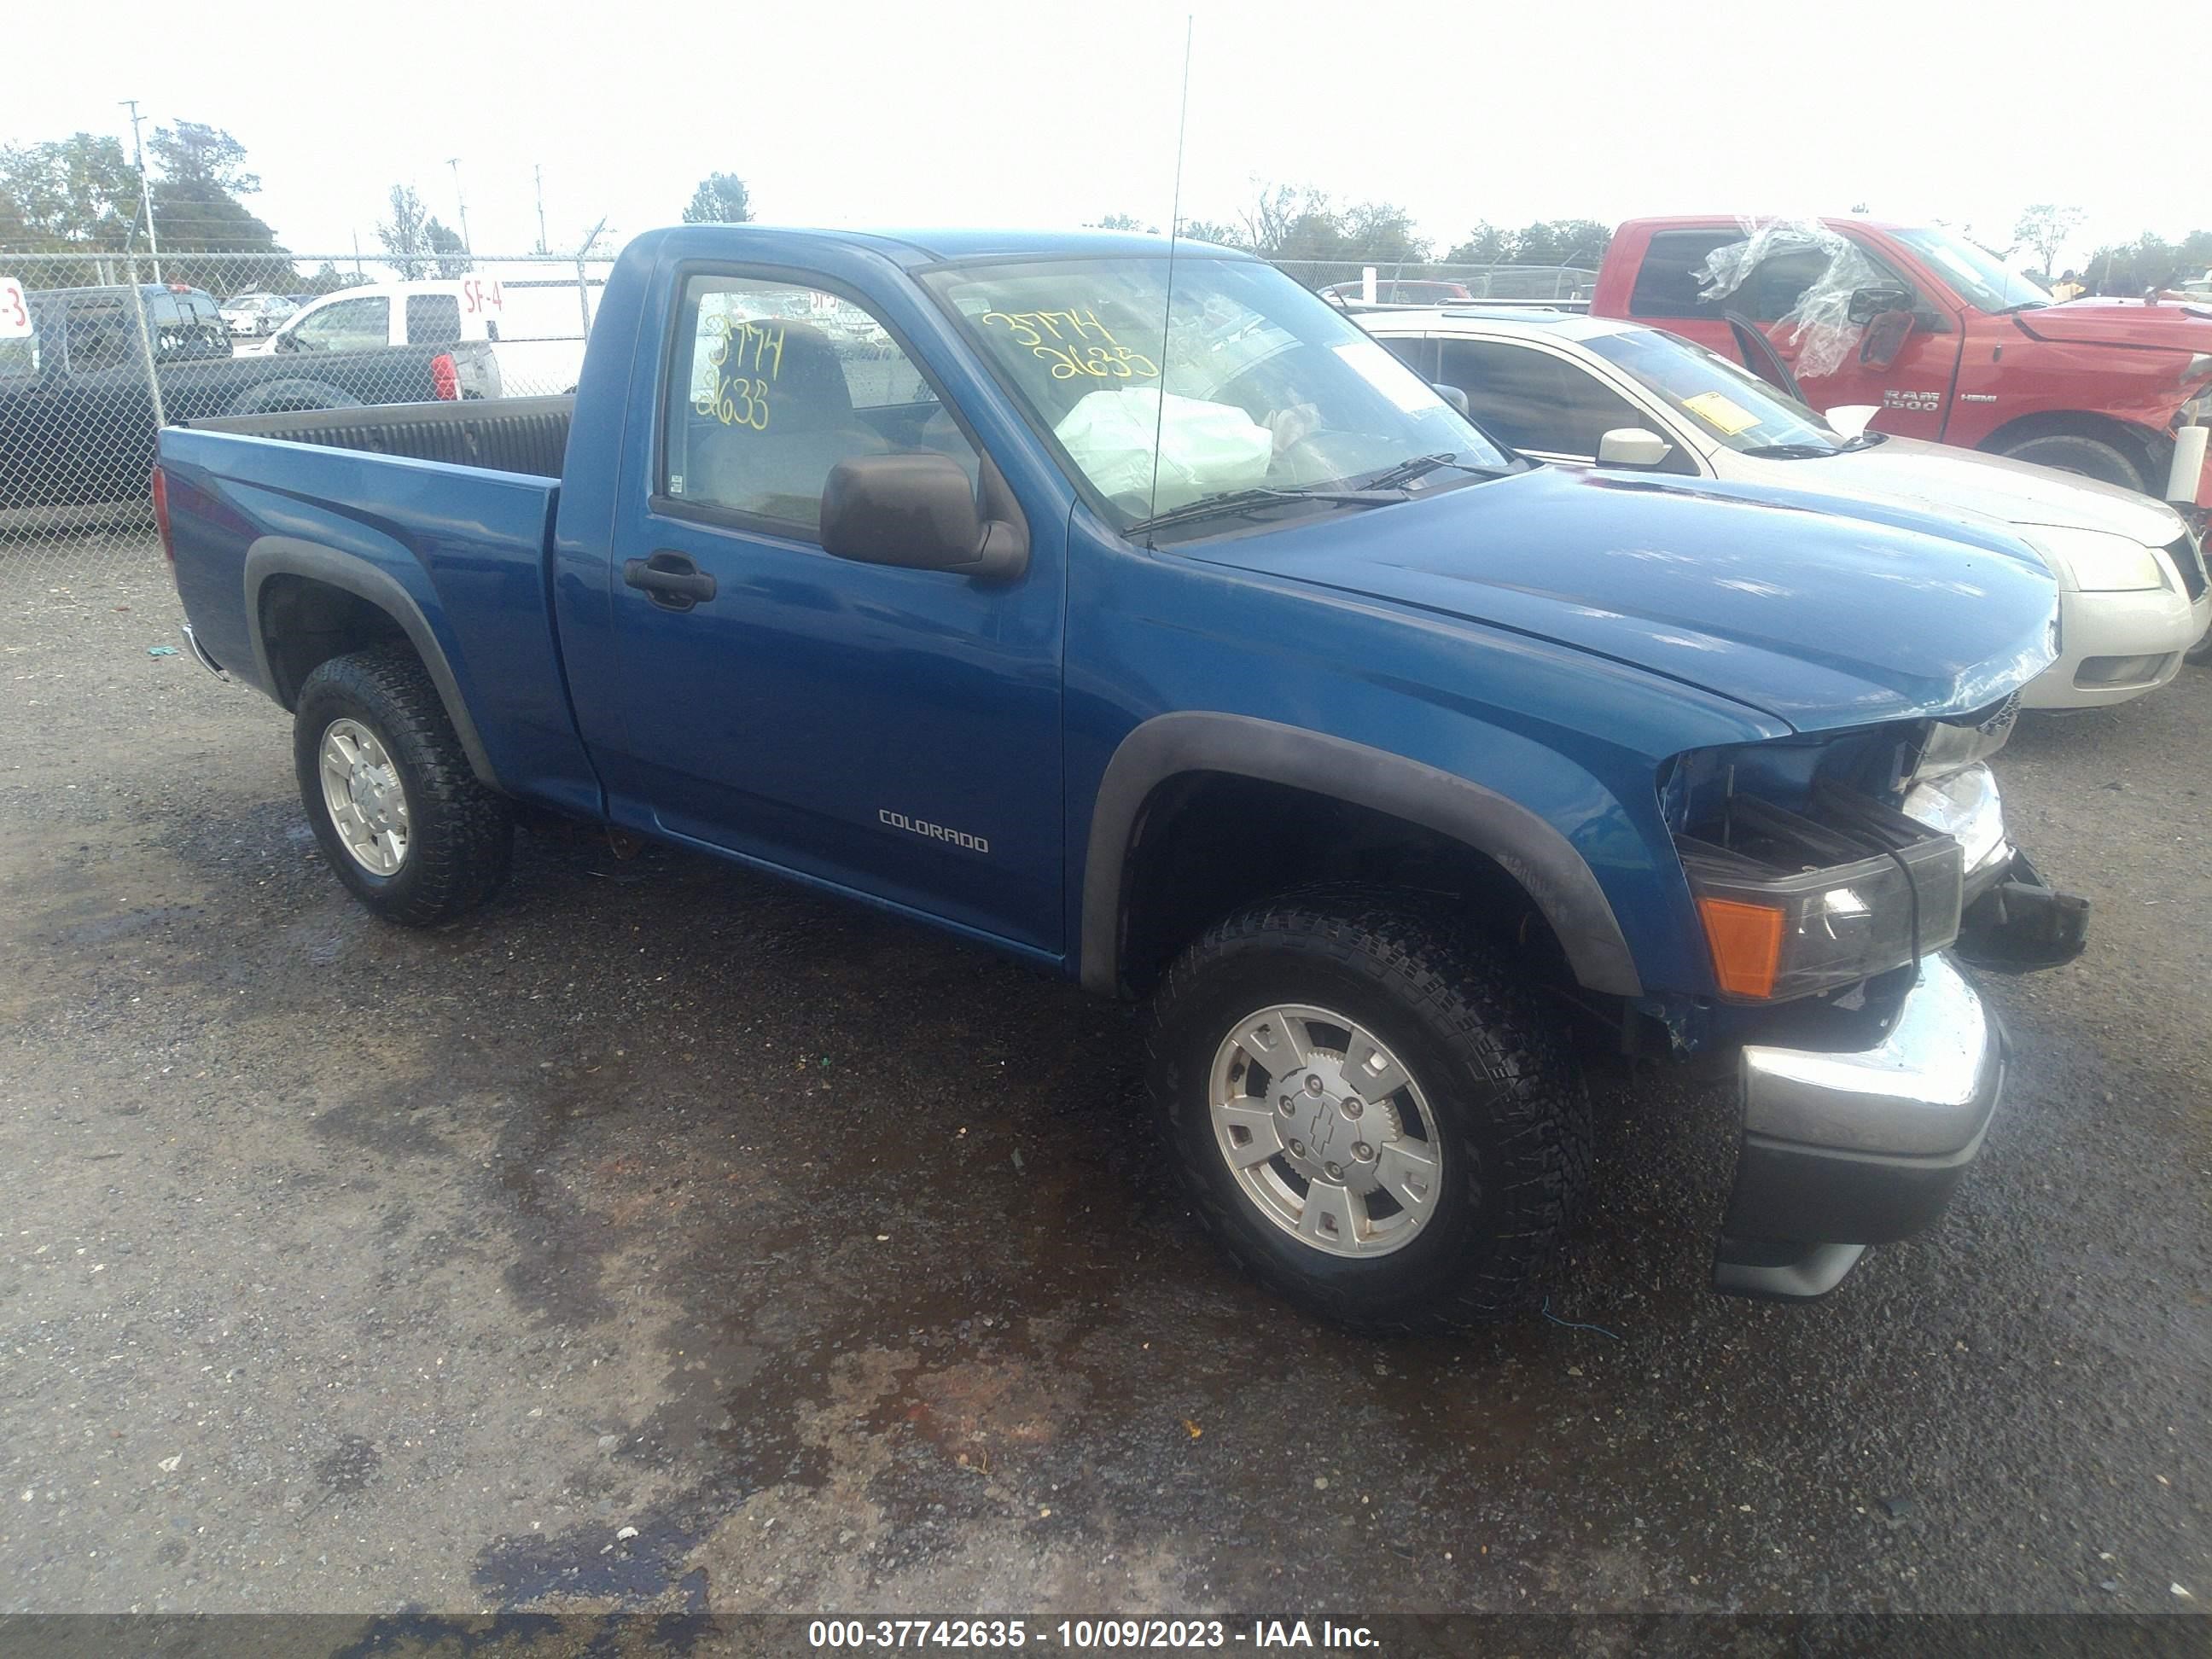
1862,1142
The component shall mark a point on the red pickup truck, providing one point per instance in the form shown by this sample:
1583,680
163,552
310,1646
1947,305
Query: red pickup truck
1948,341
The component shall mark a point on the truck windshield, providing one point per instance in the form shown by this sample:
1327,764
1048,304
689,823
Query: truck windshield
1727,402
1260,388
1982,279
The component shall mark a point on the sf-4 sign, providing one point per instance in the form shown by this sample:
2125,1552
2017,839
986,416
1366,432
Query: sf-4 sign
477,295
14,311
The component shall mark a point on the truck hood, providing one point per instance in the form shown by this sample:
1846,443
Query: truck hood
1943,480
2172,323
1765,596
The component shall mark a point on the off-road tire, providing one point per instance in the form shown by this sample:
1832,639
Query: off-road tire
462,838
2093,458
1496,1069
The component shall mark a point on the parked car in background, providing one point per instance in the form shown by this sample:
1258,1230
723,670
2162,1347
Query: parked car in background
76,414
1396,292
254,314
1237,669
534,334
390,315
1590,390
1949,343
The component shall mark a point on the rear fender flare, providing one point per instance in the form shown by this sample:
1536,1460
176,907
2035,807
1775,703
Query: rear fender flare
285,556
1556,877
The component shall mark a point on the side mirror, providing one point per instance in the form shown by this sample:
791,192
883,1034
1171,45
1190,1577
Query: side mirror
1631,446
1885,337
917,512
1452,395
1868,303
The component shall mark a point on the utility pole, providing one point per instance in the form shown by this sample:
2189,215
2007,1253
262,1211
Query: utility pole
538,172
356,259
145,186
454,162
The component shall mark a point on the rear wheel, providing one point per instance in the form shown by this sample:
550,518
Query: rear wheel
395,807
2093,458
1371,1114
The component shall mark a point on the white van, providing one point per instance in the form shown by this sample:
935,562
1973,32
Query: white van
536,334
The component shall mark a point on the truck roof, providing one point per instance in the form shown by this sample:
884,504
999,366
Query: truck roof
113,288
1694,221
928,245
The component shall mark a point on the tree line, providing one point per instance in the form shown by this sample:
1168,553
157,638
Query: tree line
83,195
1301,223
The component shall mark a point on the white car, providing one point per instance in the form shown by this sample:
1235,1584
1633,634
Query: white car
2133,597
536,335
255,315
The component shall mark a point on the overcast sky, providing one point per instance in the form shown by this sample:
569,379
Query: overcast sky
847,112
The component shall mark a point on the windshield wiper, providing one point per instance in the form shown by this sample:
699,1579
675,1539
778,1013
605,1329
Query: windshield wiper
1245,501
1793,452
2024,304
1419,466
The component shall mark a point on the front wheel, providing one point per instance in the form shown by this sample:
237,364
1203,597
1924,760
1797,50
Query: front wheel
1372,1113
2092,457
400,816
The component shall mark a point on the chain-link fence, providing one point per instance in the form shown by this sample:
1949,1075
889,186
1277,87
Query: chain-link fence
99,350
1410,281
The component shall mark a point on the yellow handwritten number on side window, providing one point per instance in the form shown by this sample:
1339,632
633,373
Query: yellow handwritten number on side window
741,400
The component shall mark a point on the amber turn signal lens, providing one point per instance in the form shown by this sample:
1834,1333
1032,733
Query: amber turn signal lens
1746,942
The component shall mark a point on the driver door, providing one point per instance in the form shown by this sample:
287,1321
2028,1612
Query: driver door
1908,379
893,732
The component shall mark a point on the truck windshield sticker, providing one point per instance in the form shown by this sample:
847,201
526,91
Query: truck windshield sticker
1407,390
1717,412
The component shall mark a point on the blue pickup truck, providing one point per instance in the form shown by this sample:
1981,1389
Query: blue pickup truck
1127,610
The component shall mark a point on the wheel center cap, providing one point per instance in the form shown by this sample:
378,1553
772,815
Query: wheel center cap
369,787
1330,1132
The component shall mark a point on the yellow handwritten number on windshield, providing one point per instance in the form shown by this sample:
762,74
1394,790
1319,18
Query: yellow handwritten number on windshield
1072,350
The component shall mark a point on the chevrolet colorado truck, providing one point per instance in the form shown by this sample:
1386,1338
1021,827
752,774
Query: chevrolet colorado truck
1949,342
1126,609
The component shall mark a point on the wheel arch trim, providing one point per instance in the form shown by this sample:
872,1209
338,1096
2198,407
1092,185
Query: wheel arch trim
285,556
1556,877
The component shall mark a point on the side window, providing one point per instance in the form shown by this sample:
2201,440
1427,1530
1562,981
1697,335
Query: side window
773,384
348,325
1664,284
1778,282
1416,352
1534,401
102,334
433,318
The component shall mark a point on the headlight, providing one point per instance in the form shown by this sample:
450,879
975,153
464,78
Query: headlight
1791,906
2097,562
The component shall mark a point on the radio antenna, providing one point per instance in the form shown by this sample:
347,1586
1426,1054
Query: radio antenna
1166,311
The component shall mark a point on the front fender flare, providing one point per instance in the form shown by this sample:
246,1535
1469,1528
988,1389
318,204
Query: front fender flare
286,556
1556,877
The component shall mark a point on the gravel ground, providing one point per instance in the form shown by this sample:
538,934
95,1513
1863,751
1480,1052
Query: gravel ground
352,1269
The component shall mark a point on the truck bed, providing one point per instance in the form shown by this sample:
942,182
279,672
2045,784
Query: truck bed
511,434
439,515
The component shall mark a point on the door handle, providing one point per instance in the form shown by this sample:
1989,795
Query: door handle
670,578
